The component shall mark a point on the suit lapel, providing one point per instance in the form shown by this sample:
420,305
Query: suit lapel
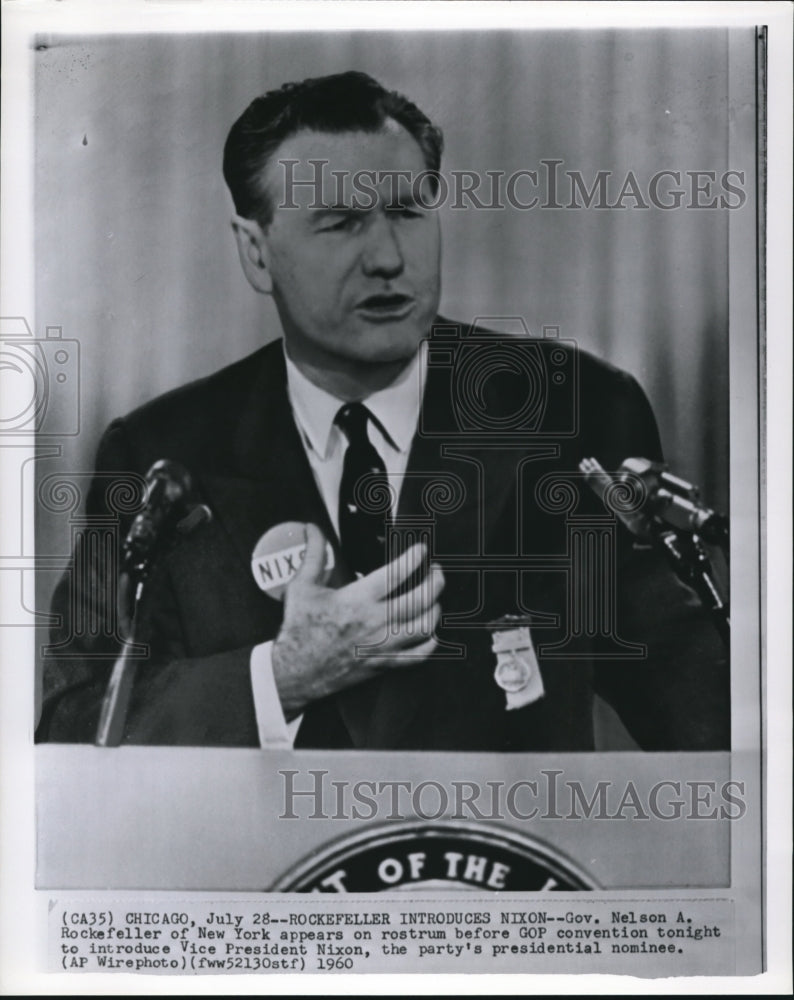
270,480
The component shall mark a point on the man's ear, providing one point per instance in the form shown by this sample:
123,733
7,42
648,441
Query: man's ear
252,248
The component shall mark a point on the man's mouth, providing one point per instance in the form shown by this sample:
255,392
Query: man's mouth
386,306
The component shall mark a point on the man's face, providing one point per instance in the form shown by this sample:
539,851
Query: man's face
352,284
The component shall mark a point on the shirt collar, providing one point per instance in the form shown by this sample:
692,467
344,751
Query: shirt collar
395,408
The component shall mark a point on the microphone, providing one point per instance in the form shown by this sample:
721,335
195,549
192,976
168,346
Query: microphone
677,503
168,486
670,500
671,516
602,484
166,506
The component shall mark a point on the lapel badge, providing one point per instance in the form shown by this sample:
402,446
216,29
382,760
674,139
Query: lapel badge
278,556
517,671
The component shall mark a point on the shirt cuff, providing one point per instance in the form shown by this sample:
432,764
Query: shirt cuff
275,733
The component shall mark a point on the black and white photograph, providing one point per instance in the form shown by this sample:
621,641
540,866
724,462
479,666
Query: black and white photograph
384,448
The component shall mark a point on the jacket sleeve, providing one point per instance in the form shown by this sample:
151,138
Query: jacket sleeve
177,698
677,697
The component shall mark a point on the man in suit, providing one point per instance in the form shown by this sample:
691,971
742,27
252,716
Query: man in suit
401,643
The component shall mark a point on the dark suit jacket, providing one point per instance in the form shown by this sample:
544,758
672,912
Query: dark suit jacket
234,431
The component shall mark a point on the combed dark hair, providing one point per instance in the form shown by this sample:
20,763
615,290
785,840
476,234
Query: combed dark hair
344,102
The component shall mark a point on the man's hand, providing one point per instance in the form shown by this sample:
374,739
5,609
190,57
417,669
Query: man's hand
315,652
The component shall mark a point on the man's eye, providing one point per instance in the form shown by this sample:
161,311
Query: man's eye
338,225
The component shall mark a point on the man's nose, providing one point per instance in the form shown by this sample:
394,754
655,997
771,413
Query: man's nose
382,254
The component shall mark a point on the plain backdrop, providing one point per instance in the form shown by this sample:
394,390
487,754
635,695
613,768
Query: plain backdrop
135,257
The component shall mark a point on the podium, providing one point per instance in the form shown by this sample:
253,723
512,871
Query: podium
238,820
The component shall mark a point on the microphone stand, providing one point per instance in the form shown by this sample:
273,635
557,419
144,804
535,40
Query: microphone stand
690,560
674,523
116,703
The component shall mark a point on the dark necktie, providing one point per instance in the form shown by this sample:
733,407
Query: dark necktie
364,487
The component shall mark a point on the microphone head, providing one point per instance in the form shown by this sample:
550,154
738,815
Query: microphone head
170,479
617,492
639,466
168,487
643,468
278,556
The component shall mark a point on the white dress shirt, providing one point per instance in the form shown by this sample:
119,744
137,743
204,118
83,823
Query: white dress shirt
395,410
